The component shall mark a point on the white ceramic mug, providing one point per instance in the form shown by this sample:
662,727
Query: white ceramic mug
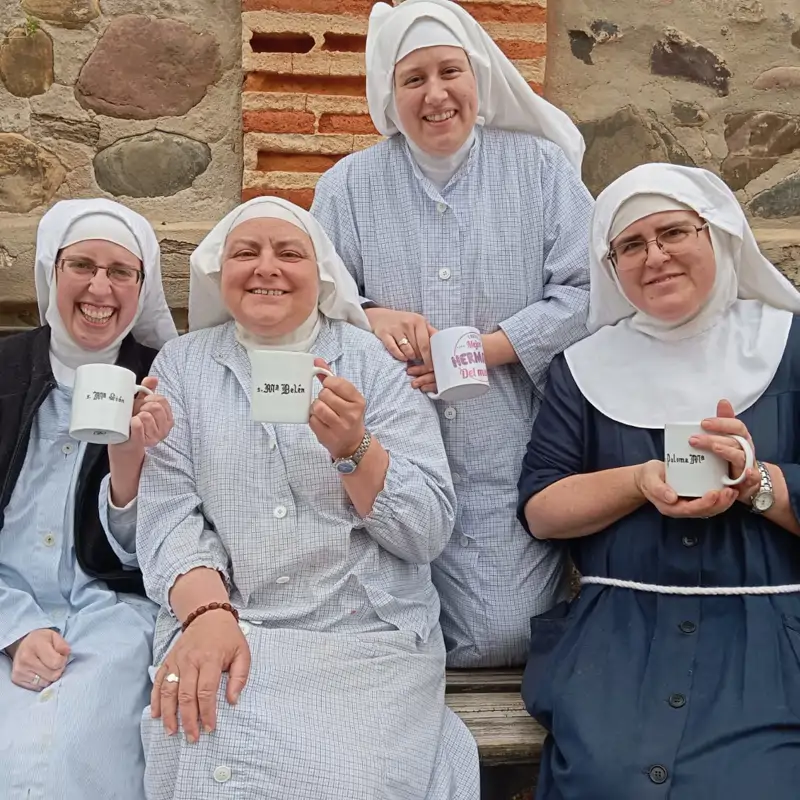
281,385
692,472
102,403
459,364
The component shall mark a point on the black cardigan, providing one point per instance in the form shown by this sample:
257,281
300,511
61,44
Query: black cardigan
26,379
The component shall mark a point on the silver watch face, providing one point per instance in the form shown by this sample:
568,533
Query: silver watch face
763,501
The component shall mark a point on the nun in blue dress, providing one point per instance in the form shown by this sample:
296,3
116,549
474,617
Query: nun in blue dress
676,671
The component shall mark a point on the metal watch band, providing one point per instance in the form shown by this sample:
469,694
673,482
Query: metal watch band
362,448
765,487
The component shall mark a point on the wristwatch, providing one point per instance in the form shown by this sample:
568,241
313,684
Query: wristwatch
764,498
346,466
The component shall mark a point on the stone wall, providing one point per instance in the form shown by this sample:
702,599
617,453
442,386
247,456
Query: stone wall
303,103
712,83
136,100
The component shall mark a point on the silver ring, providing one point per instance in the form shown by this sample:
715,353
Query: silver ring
403,341
172,678
37,679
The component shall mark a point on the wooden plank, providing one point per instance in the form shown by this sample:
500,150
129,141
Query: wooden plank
484,680
503,729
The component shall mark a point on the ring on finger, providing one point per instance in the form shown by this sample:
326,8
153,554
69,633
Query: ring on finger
37,679
173,677
403,342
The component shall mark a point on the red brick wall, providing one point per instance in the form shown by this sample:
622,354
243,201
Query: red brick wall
303,103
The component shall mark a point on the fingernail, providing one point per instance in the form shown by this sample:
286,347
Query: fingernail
207,729
693,440
190,738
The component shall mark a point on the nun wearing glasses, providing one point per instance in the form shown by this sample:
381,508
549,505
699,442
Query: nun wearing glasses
298,647
685,638
491,233
75,627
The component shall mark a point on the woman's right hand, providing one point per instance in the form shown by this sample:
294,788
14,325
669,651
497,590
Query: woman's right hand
404,334
212,644
651,482
43,652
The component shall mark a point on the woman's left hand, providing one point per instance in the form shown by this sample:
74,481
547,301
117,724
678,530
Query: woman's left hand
337,415
718,441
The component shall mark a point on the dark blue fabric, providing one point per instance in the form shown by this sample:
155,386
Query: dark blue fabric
654,696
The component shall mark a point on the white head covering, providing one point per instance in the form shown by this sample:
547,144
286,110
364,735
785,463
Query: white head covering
645,372
504,98
338,293
71,221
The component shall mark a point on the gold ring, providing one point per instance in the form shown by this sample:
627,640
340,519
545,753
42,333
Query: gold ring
403,341
172,678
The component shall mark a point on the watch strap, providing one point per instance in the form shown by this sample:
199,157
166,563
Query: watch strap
765,487
360,452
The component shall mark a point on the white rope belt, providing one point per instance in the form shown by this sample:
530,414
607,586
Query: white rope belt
789,588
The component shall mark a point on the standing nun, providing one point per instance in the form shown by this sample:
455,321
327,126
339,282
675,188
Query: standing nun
471,213
75,627
676,672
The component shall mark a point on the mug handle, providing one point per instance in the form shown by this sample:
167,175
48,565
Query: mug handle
143,389
320,371
749,461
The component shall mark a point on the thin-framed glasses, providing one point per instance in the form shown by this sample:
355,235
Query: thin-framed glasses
84,270
672,242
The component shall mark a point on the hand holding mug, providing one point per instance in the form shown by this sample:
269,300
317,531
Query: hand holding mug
718,440
38,659
404,334
651,482
424,378
151,422
337,415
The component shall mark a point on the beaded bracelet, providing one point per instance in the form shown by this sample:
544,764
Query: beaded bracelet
210,607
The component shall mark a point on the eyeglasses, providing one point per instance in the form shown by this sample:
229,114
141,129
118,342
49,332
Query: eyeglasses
86,270
672,242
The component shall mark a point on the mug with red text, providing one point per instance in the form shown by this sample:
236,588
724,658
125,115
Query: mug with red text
459,364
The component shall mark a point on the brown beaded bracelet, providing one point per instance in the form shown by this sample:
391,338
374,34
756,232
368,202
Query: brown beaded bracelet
210,607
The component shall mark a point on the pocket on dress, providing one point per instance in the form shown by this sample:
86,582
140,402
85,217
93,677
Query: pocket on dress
792,675
547,632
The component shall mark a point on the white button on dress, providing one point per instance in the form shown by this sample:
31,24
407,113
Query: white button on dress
279,512
444,274
222,774
283,579
49,539
450,413
441,207
67,449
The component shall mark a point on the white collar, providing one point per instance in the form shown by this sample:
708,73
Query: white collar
440,169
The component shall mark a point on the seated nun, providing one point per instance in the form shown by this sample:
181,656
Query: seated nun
676,671
471,212
298,646
75,626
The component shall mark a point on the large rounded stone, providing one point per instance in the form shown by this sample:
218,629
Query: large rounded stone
152,165
26,62
779,201
29,175
623,141
145,68
69,13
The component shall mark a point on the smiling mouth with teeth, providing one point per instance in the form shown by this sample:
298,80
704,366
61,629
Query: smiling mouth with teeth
267,292
440,117
98,315
662,279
